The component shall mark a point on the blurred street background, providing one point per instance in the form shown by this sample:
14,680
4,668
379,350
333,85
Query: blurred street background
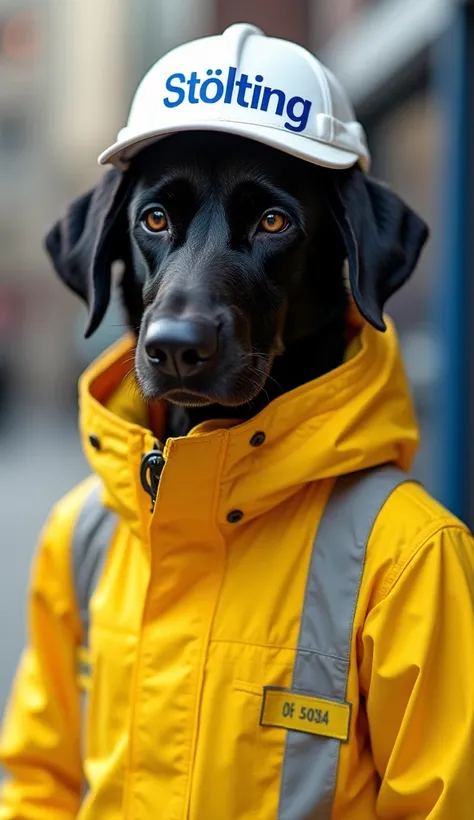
68,70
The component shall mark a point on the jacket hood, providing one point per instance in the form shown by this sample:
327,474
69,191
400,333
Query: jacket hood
358,415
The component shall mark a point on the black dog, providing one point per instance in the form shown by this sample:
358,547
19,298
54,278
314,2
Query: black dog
234,256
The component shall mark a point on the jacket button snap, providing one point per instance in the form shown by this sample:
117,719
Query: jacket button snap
257,439
95,441
235,516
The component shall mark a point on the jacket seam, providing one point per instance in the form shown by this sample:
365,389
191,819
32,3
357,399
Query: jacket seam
400,567
279,646
323,654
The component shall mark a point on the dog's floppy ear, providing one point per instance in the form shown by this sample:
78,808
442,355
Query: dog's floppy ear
383,239
91,236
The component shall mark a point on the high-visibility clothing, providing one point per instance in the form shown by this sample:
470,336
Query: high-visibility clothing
184,665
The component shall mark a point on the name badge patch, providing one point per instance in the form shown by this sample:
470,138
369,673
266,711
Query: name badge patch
304,713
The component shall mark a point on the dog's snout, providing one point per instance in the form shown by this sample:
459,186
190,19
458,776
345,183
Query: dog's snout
181,347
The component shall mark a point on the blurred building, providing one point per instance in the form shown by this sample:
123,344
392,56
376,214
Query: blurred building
61,95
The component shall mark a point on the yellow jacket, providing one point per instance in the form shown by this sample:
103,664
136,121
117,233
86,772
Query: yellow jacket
194,615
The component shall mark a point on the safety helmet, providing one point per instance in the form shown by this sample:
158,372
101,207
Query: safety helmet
242,82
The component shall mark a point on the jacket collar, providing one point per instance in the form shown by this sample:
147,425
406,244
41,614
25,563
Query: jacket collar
356,416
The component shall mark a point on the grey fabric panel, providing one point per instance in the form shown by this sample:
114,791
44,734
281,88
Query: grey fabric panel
92,536
322,659
93,533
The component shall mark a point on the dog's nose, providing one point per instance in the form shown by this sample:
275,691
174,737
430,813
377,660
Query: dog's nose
181,347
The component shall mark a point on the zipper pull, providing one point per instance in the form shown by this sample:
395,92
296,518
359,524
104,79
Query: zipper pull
150,472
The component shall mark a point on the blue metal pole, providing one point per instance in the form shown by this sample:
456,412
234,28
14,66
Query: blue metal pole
451,73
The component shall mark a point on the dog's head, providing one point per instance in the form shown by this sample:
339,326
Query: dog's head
232,252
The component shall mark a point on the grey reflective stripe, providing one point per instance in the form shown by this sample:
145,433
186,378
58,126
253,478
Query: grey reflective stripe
322,659
84,669
91,539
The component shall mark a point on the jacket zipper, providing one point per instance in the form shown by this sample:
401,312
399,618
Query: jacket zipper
150,473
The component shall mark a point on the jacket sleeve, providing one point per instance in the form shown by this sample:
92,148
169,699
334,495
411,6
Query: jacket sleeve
40,741
418,668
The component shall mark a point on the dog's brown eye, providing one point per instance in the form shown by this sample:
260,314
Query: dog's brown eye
274,223
155,220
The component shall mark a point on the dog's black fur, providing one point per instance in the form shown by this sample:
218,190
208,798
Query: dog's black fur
278,301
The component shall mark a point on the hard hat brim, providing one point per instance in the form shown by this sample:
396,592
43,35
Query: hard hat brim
295,144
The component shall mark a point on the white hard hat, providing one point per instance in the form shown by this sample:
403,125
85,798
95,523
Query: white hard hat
242,82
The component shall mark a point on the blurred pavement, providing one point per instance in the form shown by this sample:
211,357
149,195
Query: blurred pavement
41,459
